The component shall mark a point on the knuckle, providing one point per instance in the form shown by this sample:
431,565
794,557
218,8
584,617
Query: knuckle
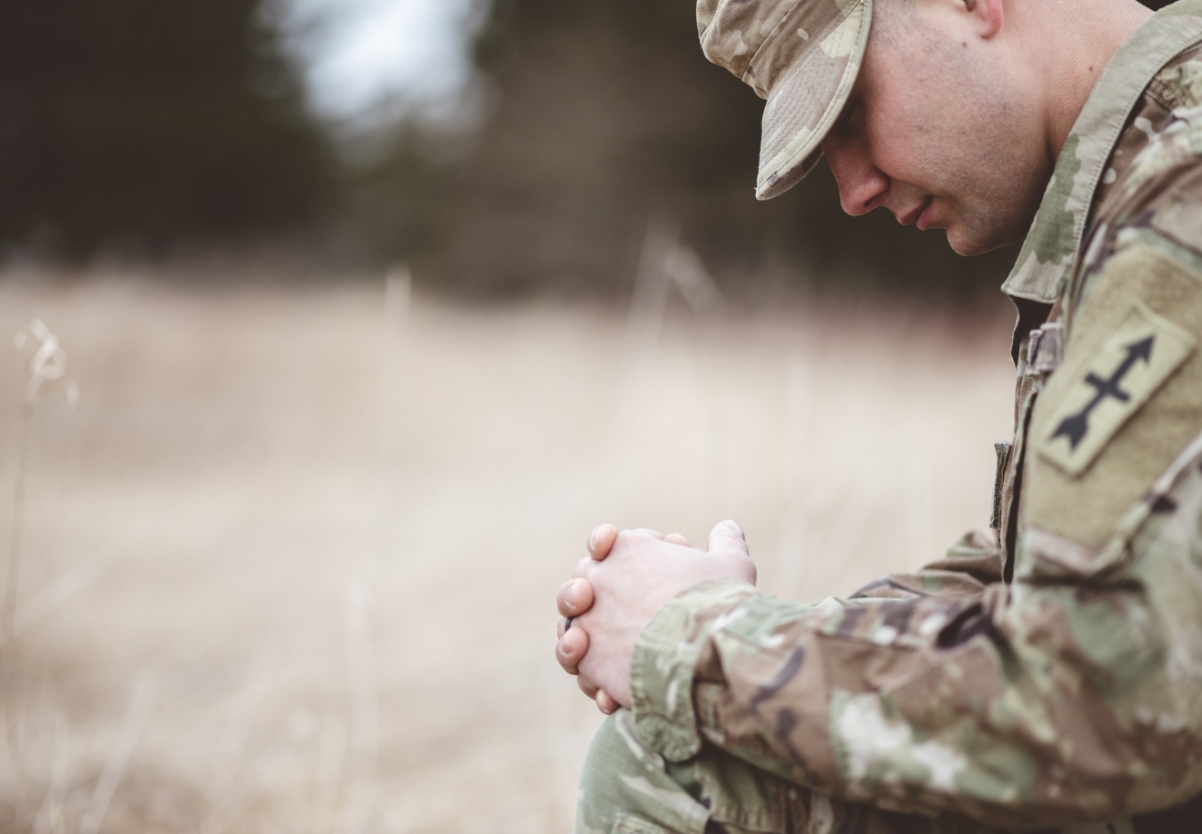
576,641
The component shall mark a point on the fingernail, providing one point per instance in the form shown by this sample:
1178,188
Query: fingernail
570,597
734,528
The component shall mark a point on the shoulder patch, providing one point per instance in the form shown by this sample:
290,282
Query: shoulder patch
1111,385
1130,416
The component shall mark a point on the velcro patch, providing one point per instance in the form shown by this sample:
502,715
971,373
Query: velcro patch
1111,386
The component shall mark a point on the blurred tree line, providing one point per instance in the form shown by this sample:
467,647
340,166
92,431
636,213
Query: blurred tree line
148,123
163,123
608,116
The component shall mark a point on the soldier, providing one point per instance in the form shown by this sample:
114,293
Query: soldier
1046,675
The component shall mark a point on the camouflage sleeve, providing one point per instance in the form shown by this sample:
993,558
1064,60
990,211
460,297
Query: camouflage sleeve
971,565
667,654
1059,699
1072,694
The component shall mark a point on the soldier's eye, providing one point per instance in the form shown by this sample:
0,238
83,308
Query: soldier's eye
849,112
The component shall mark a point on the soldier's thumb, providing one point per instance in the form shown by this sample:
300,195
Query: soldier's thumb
727,538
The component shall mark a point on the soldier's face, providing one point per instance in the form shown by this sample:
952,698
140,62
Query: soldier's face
939,131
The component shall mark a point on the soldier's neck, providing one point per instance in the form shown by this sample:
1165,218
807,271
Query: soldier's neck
1078,47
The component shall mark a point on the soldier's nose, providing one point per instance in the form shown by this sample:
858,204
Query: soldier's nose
861,184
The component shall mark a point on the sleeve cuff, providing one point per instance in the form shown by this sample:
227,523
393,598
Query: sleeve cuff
664,662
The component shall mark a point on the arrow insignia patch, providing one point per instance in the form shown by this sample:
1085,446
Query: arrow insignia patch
1109,387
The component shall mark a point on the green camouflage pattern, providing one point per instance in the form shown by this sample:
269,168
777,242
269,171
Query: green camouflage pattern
803,57
1047,675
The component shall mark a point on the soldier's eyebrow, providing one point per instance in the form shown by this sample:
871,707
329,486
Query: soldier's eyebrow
842,125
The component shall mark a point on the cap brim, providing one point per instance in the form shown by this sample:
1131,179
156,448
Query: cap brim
804,106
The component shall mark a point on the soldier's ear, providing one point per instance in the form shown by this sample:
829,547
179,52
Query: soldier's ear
987,16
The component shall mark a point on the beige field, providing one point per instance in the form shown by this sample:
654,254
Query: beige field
289,563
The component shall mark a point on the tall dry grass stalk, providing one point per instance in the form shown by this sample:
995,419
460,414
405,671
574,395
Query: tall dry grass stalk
49,599
51,818
118,758
47,365
666,264
226,783
363,766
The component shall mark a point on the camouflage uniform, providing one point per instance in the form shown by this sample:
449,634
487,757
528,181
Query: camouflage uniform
1049,674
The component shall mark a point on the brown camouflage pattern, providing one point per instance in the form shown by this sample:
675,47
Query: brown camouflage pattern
803,57
1047,675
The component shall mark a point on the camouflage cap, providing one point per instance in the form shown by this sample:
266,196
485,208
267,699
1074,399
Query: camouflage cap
803,57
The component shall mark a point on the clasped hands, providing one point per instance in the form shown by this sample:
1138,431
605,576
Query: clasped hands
618,588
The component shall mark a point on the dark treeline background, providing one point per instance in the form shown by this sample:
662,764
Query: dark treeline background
145,127
147,123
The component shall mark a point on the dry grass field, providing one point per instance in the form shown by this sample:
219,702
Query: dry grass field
288,564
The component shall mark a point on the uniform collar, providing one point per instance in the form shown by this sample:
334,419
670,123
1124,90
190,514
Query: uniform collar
1055,239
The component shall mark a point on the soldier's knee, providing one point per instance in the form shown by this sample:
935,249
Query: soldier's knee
614,753
602,766
623,778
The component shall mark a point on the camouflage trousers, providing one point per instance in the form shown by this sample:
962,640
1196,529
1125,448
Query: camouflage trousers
628,788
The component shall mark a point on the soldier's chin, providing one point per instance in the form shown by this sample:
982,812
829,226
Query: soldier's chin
969,242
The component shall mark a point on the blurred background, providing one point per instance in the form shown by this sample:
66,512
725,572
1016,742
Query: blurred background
336,325
504,149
